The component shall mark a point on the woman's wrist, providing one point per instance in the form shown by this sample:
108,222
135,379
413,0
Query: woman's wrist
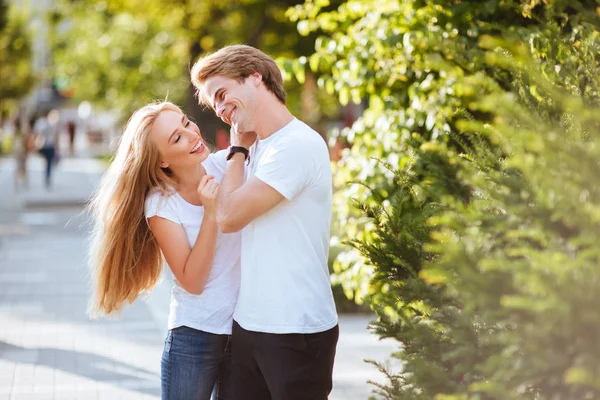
210,214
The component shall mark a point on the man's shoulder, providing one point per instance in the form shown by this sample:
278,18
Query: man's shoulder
301,128
300,136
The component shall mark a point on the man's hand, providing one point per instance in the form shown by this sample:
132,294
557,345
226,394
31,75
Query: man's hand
244,139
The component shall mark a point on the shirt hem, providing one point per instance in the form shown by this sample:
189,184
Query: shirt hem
203,328
286,329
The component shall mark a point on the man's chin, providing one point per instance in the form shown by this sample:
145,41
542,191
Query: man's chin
239,128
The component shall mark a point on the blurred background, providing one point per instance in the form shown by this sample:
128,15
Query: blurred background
84,67
463,138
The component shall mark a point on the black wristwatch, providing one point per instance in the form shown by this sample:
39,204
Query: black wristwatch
238,149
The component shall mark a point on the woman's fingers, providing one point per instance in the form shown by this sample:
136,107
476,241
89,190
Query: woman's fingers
209,187
205,180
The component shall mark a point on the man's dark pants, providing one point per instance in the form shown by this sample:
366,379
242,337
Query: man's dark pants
268,366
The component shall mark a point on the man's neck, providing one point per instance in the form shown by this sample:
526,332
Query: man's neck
273,117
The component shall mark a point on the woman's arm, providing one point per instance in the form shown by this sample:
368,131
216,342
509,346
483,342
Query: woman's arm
191,267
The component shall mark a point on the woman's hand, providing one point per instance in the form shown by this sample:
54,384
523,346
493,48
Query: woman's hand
208,189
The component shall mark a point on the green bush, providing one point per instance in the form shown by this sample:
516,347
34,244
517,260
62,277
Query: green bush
472,208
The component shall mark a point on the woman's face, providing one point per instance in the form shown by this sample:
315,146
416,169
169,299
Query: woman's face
178,141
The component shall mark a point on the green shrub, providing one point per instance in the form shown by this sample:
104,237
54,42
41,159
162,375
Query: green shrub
472,208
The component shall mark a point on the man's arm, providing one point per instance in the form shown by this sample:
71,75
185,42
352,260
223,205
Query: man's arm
239,203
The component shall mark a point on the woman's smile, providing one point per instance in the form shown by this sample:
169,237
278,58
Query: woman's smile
198,148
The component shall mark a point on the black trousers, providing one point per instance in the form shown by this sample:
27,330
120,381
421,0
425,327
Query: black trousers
269,366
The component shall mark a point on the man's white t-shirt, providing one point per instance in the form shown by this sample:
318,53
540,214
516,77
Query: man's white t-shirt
285,279
212,310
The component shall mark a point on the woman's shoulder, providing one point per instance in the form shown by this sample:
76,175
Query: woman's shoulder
158,199
160,193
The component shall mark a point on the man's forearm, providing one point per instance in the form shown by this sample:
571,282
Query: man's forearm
232,180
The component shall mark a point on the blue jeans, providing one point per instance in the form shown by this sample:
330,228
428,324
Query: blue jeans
48,153
196,365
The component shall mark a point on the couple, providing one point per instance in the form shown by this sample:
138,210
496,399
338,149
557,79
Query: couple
245,232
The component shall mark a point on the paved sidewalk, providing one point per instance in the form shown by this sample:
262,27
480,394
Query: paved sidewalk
50,349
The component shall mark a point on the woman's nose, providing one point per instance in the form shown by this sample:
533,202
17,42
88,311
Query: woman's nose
191,134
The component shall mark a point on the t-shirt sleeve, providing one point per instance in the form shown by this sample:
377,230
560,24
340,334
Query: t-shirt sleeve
219,160
285,167
159,206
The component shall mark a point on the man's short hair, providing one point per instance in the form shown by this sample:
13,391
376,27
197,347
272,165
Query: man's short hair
238,62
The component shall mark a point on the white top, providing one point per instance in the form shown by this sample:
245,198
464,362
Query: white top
212,310
285,280
47,132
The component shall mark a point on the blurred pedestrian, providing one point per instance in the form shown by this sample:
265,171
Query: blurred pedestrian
23,145
158,199
46,131
71,129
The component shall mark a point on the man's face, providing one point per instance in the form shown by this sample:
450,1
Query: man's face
234,102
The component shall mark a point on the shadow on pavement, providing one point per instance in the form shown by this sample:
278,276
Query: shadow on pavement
88,365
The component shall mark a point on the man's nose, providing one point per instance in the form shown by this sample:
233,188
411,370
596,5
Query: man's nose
220,110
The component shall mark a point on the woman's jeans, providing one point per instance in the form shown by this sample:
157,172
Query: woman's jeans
195,364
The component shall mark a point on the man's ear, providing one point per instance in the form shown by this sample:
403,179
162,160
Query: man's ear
256,78
164,164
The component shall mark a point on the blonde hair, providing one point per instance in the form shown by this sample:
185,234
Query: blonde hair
124,256
238,62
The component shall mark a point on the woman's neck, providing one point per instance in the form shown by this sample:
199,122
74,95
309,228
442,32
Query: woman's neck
187,183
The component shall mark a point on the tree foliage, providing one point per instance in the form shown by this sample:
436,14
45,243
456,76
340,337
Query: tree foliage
123,53
15,54
468,197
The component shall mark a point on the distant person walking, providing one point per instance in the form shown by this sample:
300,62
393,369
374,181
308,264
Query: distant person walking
71,130
22,148
285,327
46,131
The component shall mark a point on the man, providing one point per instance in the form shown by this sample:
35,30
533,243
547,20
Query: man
285,323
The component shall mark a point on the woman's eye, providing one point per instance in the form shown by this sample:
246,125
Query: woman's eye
187,123
177,138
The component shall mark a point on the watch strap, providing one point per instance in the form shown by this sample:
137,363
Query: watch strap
238,149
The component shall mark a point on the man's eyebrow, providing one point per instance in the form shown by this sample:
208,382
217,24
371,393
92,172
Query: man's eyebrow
175,131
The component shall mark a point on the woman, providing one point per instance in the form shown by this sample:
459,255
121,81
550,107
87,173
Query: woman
158,197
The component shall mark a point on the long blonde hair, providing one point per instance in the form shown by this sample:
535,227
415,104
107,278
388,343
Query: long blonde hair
124,256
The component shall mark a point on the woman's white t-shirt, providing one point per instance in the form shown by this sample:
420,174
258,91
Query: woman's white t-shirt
212,310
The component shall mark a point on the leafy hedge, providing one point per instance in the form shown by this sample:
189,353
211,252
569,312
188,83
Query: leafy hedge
469,197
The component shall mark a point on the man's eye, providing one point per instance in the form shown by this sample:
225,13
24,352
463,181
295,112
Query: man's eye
177,138
222,96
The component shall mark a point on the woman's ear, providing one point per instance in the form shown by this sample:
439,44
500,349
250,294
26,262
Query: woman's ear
164,164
